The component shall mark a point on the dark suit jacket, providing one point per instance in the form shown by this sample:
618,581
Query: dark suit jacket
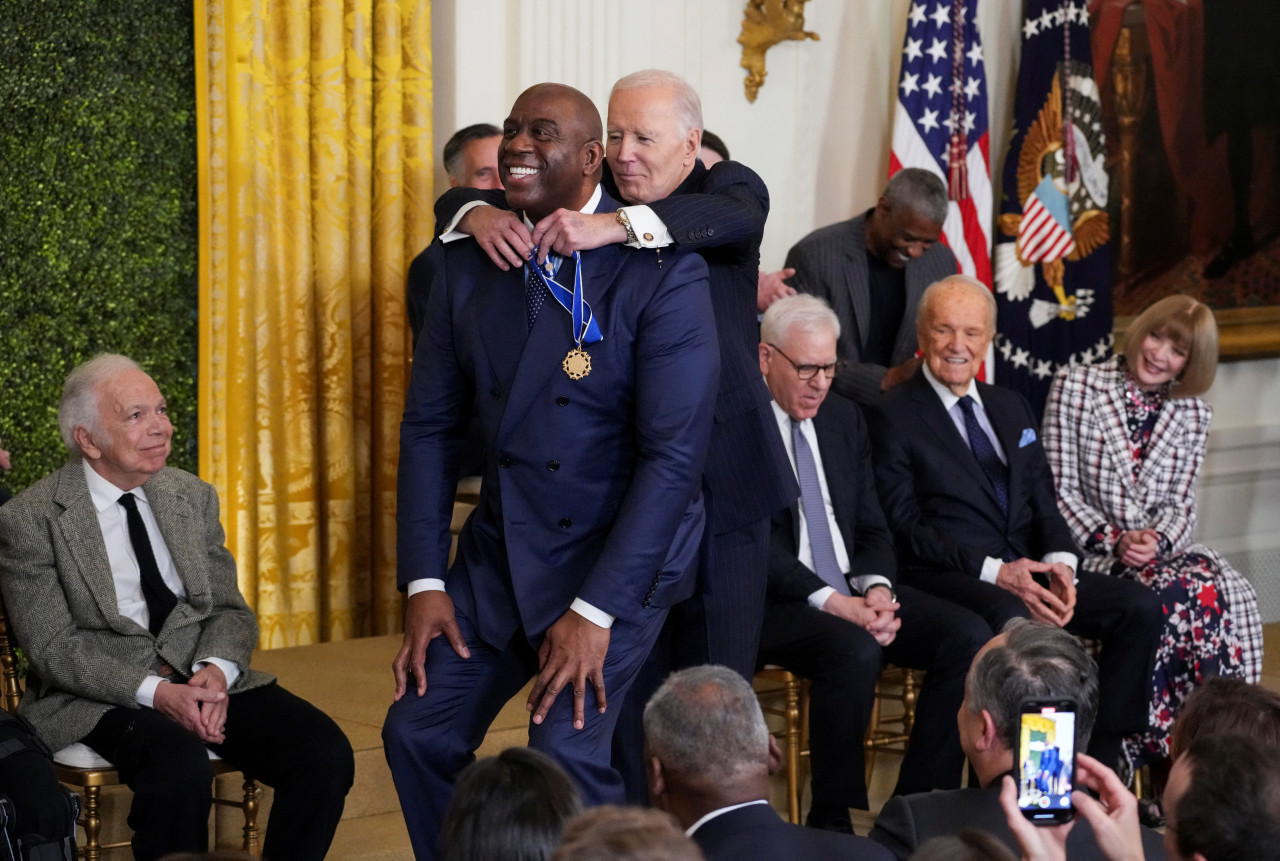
939,503
85,657
846,460
756,831
589,484
719,214
831,262
909,820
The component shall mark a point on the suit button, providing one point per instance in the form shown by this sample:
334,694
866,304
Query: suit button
495,394
562,401
504,461
553,465
711,231
565,523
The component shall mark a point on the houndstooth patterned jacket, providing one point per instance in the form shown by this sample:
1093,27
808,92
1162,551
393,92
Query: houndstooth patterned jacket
1088,448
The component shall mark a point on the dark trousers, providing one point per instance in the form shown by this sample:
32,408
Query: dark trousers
842,663
428,740
720,624
271,735
1124,616
26,777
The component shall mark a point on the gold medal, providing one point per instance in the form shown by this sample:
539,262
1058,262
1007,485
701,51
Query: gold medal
577,364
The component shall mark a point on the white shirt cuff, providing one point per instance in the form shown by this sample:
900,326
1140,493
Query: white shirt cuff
818,598
451,231
230,670
650,231
426,584
865,581
146,695
591,613
1068,559
990,570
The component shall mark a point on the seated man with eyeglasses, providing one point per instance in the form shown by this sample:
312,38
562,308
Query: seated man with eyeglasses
834,610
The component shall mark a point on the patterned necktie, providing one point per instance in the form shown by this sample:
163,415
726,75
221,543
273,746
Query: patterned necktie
535,293
985,452
815,515
159,597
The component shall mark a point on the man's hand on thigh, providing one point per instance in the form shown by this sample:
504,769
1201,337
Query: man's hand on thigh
427,615
572,652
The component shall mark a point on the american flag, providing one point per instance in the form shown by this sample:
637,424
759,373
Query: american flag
940,123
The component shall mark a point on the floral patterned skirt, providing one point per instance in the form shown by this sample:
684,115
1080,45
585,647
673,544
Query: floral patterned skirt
1197,643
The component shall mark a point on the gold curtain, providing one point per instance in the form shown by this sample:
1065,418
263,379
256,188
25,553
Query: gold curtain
314,129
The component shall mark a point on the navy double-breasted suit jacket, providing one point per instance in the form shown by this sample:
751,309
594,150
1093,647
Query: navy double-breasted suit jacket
591,487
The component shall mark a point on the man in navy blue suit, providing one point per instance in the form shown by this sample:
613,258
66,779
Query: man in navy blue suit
594,390
968,494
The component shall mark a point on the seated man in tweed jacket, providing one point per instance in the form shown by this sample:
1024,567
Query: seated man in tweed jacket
123,595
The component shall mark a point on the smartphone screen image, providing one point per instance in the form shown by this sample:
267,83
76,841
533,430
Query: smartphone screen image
1046,760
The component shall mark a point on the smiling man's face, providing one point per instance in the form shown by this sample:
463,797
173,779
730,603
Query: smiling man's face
550,151
132,440
954,332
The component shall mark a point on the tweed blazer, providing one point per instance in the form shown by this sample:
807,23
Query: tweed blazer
1087,443
85,657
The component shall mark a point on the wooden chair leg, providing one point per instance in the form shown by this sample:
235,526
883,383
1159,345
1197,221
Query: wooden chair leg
92,823
252,798
793,749
909,695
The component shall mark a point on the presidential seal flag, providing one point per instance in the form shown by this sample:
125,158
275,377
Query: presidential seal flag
1052,260
940,122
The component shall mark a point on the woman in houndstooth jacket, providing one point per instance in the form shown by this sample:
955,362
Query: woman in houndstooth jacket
1126,439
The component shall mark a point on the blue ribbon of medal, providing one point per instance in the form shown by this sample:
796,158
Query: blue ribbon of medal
585,328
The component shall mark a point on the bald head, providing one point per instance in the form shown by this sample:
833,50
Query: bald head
551,153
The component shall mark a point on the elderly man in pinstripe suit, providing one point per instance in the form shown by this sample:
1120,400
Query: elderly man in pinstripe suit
676,205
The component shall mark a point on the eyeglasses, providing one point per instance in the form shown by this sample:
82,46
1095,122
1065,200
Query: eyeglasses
808,372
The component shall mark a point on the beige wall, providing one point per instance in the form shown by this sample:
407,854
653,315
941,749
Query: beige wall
819,135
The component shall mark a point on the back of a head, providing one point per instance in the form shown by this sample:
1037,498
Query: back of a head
967,844
1230,810
510,807
1036,661
705,725
625,834
1227,705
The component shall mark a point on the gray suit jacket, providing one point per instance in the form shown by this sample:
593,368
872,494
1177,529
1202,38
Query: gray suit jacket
831,262
85,657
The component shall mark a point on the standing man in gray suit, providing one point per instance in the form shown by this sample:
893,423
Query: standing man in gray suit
123,595
871,270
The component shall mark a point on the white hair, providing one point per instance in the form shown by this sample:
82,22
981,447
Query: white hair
82,396
686,107
803,312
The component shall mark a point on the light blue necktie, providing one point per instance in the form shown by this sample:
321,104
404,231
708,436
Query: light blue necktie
815,515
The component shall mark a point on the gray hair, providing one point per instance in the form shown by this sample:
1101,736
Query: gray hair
686,106
1036,661
803,312
930,295
81,396
705,724
920,191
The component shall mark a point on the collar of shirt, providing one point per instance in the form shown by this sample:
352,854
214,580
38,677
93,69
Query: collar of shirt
950,398
713,814
588,209
105,494
784,424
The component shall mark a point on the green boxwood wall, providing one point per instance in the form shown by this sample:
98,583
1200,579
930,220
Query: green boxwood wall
98,230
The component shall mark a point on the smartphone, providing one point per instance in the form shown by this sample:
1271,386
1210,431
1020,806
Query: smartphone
1046,765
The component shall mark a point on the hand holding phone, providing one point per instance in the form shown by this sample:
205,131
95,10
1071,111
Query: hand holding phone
1044,770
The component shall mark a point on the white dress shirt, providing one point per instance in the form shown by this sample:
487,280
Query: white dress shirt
127,575
951,403
804,551
723,810
586,610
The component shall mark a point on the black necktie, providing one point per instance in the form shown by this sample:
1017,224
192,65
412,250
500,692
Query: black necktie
535,292
986,454
160,599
